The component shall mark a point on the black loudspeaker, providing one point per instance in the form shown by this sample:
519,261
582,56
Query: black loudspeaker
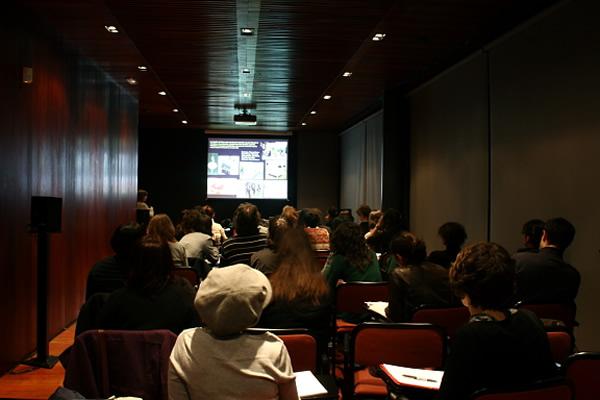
46,213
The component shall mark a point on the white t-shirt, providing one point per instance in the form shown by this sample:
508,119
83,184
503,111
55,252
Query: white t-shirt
245,367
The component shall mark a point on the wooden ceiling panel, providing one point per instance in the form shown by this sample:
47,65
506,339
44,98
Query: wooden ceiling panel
297,54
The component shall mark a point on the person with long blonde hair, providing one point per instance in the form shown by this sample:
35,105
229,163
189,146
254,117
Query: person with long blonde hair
160,228
301,297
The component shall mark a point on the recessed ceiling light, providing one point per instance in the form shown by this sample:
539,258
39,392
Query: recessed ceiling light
247,31
162,93
304,124
142,68
246,94
176,110
347,74
131,81
378,37
111,28
246,70
313,112
184,121
327,97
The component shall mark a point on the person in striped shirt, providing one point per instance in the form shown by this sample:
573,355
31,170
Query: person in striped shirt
247,240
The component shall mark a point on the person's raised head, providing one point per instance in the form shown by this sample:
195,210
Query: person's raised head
363,212
391,220
453,235
208,210
152,266
532,233
196,221
311,218
277,227
161,227
142,195
558,232
484,274
290,214
347,240
246,219
231,299
408,248
125,237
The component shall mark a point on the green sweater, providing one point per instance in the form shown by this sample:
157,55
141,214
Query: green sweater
337,267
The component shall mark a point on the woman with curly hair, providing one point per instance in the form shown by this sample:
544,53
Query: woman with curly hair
351,259
160,228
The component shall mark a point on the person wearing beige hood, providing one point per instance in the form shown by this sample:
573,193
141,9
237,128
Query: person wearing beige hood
219,360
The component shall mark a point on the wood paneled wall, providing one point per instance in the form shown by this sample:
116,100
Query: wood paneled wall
72,133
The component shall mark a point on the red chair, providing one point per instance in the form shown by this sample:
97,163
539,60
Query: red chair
553,389
561,345
560,312
350,297
583,372
122,363
301,346
407,344
449,319
321,257
188,273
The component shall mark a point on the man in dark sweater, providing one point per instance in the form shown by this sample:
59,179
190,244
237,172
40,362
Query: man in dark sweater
545,277
111,273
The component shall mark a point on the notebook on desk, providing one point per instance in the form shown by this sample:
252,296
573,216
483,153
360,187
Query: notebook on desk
377,307
415,377
308,385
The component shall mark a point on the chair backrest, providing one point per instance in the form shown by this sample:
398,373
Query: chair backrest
351,296
449,319
408,344
321,257
553,389
583,371
301,346
561,312
122,363
561,345
188,273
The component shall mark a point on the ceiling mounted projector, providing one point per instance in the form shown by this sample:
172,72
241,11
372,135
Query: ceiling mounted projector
244,118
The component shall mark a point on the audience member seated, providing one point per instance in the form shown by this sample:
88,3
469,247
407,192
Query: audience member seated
363,218
265,260
111,273
545,277
415,282
532,235
453,236
218,233
220,360
290,214
318,236
247,239
351,260
301,296
345,215
153,297
374,217
499,347
197,240
389,225
332,213
161,229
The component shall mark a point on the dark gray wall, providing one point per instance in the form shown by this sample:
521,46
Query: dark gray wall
318,170
543,124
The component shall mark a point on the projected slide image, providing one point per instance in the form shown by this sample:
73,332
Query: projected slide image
275,150
276,169
247,168
254,189
251,170
228,165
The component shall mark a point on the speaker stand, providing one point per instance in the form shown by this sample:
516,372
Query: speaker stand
42,359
